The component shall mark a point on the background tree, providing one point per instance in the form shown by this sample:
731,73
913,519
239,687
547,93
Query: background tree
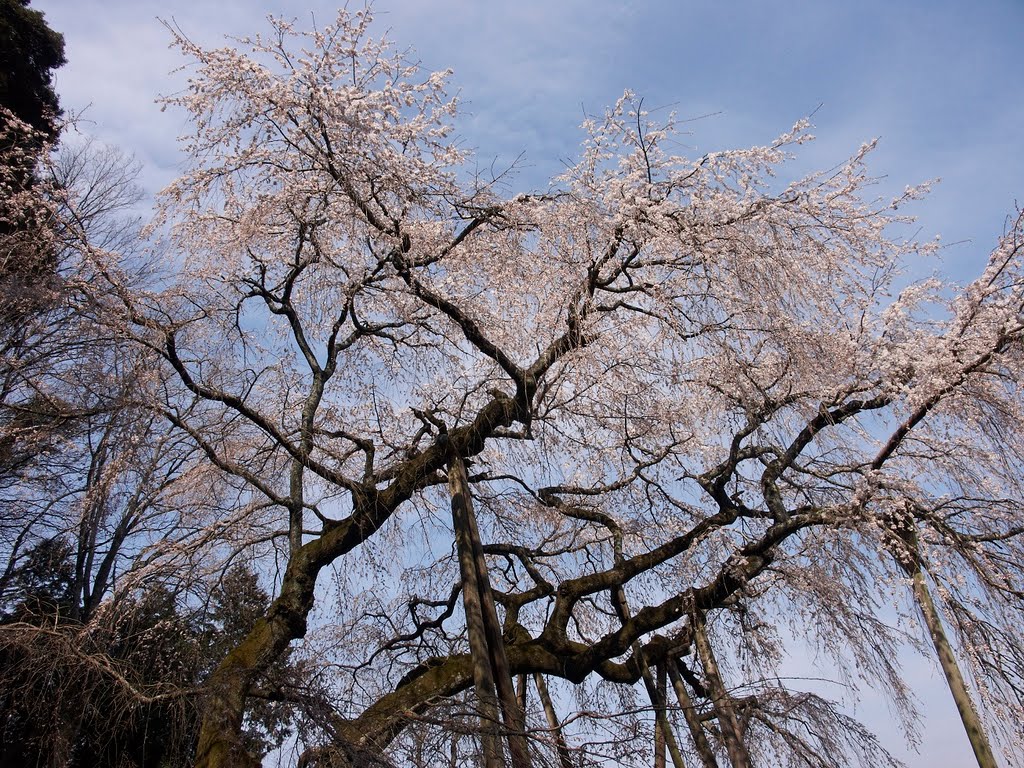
80,459
29,52
97,649
122,690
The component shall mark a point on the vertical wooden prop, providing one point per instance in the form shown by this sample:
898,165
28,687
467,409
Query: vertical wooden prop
732,733
659,730
521,692
700,740
564,756
950,668
910,561
453,752
491,674
483,675
662,725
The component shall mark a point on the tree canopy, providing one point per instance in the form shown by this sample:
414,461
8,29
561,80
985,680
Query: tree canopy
552,478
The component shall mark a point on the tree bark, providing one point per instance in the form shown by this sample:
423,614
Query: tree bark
220,743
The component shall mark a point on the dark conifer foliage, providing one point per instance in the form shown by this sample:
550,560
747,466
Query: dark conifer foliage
29,52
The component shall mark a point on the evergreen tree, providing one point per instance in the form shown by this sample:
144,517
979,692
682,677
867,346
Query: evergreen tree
29,52
122,690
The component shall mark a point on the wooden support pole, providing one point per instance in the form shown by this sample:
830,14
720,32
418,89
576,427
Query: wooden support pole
483,675
657,701
697,735
732,733
909,558
515,719
467,535
659,730
554,724
957,687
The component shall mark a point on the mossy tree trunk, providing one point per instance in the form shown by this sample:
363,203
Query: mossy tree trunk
220,736
220,742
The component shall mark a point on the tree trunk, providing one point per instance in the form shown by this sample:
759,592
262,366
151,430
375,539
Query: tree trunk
732,734
220,742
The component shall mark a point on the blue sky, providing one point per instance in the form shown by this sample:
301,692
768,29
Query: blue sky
940,82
